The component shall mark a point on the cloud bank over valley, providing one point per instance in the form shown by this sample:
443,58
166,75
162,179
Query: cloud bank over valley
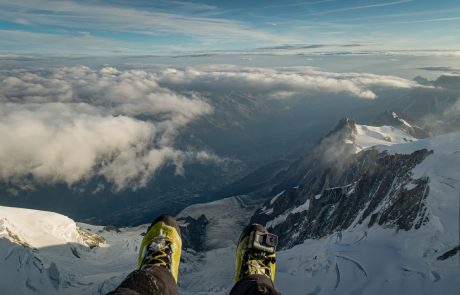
72,124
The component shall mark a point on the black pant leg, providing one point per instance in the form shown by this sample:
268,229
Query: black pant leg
254,285
152,281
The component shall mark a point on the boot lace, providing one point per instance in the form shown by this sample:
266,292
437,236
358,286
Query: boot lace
158,253
257,263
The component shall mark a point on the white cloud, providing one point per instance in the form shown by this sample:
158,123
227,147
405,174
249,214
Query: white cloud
367,6
71,124
59,44
58,142
278,83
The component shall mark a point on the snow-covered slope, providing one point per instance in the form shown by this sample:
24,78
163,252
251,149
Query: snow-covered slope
363,136
361,261
226,219
38,229
369,136
47,253
402,241
379,259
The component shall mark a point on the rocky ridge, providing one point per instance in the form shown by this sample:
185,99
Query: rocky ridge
328,192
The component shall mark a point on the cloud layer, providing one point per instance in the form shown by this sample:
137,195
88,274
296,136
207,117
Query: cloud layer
71,124
278,83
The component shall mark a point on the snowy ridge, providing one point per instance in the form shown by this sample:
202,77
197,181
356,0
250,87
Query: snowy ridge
404,122
38,228
378,259
443,170
51,254
281,218
366,260
370,136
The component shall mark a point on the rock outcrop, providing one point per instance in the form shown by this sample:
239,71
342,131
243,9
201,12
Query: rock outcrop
193,232
334,188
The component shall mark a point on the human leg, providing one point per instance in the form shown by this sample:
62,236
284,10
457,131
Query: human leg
152,281
158,261
255,262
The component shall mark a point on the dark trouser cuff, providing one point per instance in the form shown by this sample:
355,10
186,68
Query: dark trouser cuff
151,281
254,285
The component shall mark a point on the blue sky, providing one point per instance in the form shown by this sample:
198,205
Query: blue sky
165,27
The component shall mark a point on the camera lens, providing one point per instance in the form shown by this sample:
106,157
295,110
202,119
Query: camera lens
272,240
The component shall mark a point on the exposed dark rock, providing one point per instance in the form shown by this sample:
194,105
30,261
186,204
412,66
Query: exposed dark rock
332,152
448,81
193,232
421,80
91,239
450,253
333,189
16,239
75,252
111,228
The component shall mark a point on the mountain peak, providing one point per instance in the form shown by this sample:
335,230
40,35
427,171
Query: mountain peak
421,80
346,125
348,132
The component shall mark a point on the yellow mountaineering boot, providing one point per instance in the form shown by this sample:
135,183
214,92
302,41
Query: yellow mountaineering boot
256,253
161,245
